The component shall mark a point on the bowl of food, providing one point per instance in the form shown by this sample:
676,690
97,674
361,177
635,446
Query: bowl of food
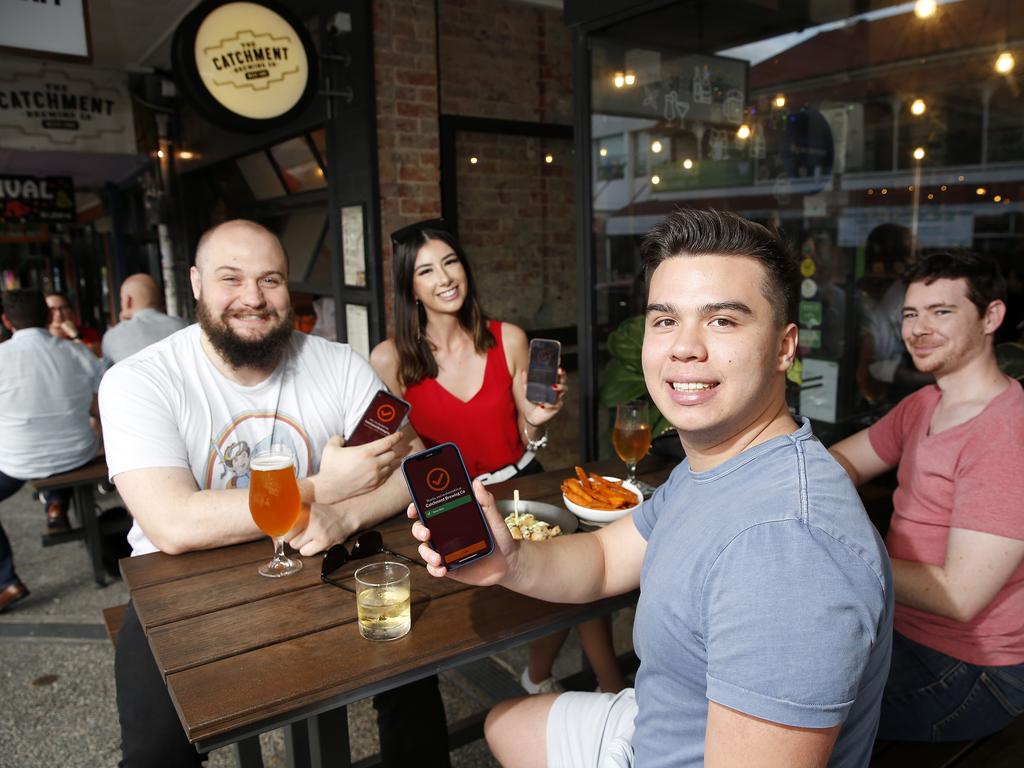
599,499
535,520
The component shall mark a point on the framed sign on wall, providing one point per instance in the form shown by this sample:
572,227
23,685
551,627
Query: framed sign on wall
246,66
58,29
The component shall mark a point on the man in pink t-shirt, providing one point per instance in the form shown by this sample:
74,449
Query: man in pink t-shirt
957,534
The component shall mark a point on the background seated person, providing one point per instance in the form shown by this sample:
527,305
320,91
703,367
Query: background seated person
242,375
47,394
957,533
65,324
141,321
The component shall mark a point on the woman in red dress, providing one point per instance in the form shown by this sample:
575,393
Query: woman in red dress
465,377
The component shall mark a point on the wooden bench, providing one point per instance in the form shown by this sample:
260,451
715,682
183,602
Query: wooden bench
82,483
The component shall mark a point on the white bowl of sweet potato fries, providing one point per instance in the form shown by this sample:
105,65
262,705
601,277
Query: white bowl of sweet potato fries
598,499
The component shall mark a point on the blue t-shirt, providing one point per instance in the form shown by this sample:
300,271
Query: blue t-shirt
766,589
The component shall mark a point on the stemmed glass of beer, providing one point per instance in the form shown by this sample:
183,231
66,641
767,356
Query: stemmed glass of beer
631,437
275,503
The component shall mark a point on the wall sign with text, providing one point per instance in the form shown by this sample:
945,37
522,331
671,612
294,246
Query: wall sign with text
246,66
55,28
64,107
36,198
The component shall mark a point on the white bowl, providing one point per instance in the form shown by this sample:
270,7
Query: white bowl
602,515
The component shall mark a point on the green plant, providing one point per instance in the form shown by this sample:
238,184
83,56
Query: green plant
624,375
1011,359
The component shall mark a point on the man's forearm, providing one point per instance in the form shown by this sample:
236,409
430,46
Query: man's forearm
367,510
566,569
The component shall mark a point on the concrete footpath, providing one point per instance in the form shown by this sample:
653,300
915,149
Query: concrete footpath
57,670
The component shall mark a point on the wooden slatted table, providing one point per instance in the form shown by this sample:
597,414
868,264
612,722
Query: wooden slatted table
243,654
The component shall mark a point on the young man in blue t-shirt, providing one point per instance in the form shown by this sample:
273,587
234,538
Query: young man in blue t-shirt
765,616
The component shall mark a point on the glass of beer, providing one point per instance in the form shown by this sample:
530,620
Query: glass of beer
382,601
275,503
631,437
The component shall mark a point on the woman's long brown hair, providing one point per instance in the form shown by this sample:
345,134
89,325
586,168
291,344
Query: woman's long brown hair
415,355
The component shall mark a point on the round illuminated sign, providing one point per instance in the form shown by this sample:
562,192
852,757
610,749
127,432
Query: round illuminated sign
247,66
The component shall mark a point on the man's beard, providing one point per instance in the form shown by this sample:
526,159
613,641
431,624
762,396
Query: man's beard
239,352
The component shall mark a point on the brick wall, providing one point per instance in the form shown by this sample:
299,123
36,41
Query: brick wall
505,60
408,156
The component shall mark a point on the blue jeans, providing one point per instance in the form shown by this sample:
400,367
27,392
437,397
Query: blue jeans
933,697
8,487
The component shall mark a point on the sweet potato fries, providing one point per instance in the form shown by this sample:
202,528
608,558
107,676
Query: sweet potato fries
594,492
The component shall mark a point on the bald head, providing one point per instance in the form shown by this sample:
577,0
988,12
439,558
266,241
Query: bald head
237,234
139,291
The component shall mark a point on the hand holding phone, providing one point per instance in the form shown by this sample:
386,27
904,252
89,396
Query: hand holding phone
347,471
545,356
445,503
382,417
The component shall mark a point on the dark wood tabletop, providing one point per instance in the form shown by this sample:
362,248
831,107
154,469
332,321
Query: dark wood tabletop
242,654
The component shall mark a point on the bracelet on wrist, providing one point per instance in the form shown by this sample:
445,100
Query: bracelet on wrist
535,445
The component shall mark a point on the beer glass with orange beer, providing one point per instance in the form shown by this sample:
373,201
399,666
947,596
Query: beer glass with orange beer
275,503
631,436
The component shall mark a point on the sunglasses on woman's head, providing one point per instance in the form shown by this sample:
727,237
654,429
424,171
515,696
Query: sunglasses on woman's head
414,229
367,544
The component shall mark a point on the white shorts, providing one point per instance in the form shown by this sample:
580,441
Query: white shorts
591,730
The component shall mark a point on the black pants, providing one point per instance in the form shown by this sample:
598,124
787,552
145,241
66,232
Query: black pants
410,719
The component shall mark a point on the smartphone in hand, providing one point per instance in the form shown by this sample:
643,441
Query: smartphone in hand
383,416
441,490
545,356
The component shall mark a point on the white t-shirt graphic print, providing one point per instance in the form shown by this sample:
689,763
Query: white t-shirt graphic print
168,406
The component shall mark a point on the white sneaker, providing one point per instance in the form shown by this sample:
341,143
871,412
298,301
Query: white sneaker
551,685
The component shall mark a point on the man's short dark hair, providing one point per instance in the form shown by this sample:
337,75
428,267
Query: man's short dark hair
985,282
26,308
693,232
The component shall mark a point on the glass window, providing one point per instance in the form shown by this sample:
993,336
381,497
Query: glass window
299,168
319,138
868,139
300,233
259,174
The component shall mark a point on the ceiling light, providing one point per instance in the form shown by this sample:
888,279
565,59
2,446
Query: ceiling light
919,153
549,158
160,153
603,151
918,107
655,179
997,198
186,155
474,160
619,79
885,191
687,163
630,78
780,101
980,191
743,132
1005,63
656,146
924,9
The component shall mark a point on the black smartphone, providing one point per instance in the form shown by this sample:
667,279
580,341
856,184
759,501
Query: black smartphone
382,417
545,356
440,488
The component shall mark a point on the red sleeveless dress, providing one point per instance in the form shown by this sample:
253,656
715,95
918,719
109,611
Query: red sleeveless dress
485,427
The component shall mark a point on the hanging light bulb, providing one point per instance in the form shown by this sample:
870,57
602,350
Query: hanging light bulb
655,179
1005,63
474,160
619,79
656,146
780,101
603,151
687,163
630,79
549,158
924,9
743,132
919,153
918,107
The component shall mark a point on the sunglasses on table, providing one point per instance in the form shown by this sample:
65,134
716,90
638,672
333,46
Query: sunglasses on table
367,544
413,229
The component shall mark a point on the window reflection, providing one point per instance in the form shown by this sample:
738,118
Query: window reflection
259,174
299,168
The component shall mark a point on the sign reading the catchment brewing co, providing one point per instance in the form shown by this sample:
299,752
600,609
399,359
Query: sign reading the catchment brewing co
247,66
36,198
64,107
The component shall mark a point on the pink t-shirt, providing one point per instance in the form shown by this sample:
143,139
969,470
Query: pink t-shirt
970,476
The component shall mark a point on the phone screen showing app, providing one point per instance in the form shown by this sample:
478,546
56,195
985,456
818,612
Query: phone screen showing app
382,417
440,488
543,371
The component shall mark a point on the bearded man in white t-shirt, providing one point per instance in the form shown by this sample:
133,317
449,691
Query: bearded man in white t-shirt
177,413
